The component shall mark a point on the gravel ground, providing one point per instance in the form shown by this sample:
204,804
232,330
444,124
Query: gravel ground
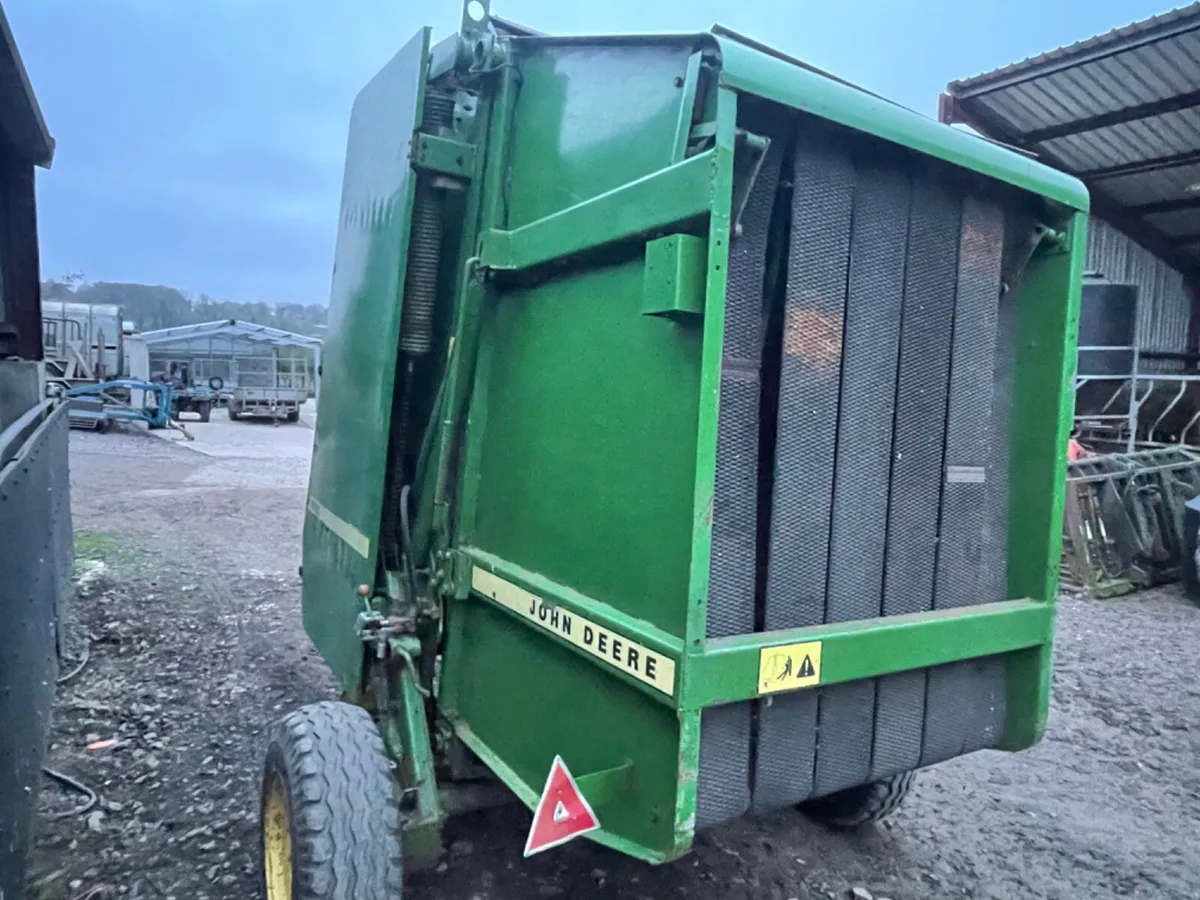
190,601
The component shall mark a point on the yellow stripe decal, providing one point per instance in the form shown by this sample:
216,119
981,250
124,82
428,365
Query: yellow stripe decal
634,659
358,541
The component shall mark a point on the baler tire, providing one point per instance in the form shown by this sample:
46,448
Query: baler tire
231,411
293,415
865,804
327,763
205,411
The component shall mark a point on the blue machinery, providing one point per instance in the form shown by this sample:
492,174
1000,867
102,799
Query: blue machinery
96,406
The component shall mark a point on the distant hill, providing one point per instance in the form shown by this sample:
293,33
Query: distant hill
151,306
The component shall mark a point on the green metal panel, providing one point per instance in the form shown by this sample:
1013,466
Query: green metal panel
557,429
1048,331
578,395
748,69
593,115
345,494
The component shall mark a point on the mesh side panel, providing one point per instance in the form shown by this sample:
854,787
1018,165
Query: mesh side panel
947,706
899,723
856,554
787,727
731,566
846,726
890,470
916,475
960,696
986,716
731,570
960,561
989,707
995,526
965,708
810,373
809,377
921,399
723,783
864,452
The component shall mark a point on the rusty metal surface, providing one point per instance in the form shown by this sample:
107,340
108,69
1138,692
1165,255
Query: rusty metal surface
1123,523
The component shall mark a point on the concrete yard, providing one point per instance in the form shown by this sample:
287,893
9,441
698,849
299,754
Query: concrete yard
190,603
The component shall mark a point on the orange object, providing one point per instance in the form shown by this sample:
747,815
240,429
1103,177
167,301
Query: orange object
1075,450
102,745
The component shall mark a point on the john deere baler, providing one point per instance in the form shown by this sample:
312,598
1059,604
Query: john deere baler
689,416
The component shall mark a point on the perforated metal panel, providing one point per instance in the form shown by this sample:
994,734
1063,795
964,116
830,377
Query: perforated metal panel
723,783
890,465
731,575
805,451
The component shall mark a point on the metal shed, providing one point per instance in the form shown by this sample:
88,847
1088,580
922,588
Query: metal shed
1121,111
241,354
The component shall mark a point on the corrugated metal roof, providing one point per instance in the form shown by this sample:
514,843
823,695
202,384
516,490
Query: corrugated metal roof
1121,111
233,328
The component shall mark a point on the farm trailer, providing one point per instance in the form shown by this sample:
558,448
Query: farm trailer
275,388
692,445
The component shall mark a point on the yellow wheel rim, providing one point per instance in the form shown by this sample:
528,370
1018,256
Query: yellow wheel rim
277,841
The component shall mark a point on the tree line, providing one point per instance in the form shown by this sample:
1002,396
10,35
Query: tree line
153,306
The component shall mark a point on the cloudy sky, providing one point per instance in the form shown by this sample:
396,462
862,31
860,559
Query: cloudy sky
200,141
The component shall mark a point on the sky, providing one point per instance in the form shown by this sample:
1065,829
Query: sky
200,142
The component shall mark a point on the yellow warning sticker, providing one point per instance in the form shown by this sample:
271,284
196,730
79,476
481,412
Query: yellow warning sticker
646,665
789,667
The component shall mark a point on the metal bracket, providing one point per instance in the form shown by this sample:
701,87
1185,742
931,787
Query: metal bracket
476,36
1039,235
432,153
459,575
379,632
749,152
400,703
602,787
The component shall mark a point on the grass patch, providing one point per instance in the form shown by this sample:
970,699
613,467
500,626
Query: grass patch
96,550
96,546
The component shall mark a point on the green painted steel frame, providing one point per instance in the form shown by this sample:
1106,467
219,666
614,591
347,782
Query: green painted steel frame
750,70
669,197
726,669
718,671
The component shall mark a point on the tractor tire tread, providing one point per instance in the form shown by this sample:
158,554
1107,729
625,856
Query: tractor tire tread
344,804
863,805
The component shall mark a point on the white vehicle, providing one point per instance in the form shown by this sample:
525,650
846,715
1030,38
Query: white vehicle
274,388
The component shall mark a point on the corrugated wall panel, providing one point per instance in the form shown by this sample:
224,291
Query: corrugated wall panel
1163,304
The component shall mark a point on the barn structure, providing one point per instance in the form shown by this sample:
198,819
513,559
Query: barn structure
1122,112
229,352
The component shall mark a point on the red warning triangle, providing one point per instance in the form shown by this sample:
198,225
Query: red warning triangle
562,812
